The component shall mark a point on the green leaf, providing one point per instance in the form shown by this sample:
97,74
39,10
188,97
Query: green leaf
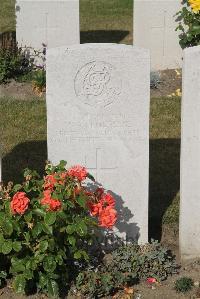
81,228
2,217
72,240
47,229
28,274
37,229
81,254
50,218
3,274
27,237
19,283
49,264
70,204
52,288
28,216
17,246
17,187
1,239
43,280
51,244
27,172
7,227
31,264
62,164
17,265
70,229
6,247
43,246
81,201
77,255
39,212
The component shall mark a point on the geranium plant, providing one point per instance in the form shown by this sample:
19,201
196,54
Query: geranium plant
189,23
47,223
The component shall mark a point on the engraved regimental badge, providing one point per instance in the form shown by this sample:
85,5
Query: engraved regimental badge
97,83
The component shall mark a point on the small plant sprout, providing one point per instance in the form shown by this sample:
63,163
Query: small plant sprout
184,284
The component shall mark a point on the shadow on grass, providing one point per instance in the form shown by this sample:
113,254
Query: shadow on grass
164,181
103,36
164,173
31,154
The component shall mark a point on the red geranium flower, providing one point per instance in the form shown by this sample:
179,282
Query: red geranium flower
151,280
95,208
78,172
107,217
107,200
19,203
49,181
47,200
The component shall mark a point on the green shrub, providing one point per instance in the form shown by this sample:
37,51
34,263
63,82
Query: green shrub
183,284
155,80
189,24
125,266
39,81
46,226
14,63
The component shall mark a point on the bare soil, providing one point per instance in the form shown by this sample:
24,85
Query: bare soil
171,81
18,90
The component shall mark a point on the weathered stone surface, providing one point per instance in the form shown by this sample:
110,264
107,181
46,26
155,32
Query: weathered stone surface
98,116
51,22
154,29
190,156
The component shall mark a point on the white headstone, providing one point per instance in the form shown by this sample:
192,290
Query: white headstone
98,116
154,29
190,156
51,22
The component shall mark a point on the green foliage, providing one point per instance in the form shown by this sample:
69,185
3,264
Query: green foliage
189,26
3,276
126,266
155,80
14,63
43,245
39,80
184,284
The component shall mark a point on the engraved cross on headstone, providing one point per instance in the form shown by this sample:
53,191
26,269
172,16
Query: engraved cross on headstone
163,27
47,27
97,169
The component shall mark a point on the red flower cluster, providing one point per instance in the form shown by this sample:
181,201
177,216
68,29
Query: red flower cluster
104,209
78,172
49,182
101,204
19,203
51,203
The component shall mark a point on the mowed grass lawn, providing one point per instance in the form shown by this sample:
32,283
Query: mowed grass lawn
7,15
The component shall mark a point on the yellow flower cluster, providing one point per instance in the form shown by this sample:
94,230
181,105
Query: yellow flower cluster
195,5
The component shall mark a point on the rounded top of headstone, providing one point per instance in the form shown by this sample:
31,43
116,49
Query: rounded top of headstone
99,47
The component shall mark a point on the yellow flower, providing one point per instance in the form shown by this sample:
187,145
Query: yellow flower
195,5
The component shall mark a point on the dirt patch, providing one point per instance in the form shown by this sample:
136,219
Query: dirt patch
166,290
170,83
17,90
